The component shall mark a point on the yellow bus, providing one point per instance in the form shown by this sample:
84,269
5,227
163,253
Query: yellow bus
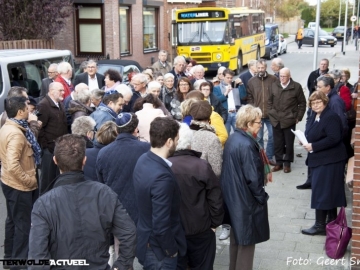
215,36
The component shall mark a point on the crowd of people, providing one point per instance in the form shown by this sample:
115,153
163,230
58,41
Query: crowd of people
105,171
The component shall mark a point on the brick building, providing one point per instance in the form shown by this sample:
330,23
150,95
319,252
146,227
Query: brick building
126,29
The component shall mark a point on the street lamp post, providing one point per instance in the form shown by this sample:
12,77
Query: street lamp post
316,39
339,13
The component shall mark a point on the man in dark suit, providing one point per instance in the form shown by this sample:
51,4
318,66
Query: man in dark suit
52,73
91,78
178,69
251,72
53,118
161,238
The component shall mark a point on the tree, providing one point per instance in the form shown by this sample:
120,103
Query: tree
285,9
308,15
33,19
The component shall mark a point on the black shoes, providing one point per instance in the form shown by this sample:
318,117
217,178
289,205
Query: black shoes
319,226
304,186
317,229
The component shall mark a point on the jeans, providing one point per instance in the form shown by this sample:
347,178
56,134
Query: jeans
230,122
18,222
152,263
260,137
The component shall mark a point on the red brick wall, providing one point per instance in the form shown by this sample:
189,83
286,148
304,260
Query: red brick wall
355,246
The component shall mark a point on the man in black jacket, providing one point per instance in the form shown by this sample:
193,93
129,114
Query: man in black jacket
91,78
201,208
45,83
75,218
323,69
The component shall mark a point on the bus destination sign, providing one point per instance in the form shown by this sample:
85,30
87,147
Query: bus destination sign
201,15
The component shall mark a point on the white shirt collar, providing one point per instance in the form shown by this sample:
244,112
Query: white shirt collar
167,162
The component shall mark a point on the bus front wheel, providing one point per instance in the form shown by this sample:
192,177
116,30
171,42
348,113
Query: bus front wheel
239,64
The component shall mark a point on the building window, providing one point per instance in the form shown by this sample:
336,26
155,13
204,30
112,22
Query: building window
90,30
124,13
151,26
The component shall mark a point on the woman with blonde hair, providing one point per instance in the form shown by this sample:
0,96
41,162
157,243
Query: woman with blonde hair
245,172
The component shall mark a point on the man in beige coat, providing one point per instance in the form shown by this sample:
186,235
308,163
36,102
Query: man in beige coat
19,152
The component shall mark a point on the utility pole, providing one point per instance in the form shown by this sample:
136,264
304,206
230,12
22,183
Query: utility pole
340,13
352,23
316,39
345,26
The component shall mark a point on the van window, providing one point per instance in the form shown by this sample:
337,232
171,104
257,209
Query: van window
1,80
29,74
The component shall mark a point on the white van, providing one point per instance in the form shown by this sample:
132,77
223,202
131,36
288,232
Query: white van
27,68
312,25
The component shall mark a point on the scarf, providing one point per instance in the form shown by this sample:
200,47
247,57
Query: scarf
31,139
263,156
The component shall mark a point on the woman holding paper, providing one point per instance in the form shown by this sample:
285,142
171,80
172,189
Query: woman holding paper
326,158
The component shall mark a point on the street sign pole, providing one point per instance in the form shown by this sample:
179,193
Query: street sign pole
316,39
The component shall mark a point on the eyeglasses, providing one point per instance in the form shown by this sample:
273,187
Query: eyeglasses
205,89
184,84
259,123
91,67
283,76
313,103
51,72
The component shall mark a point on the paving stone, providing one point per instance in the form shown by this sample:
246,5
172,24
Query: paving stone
311,248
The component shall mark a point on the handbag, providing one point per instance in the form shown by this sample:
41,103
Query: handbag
338,235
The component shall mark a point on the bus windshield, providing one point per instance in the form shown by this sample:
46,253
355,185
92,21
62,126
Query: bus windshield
208,32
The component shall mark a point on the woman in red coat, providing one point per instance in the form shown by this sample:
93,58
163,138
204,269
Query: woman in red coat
342,90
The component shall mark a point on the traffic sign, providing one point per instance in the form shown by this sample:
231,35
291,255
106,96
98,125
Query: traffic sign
353,18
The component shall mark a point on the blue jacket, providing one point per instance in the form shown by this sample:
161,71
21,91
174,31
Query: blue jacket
103,114
242,183
326,139
337,105
91,156
158,199
115,165
223,99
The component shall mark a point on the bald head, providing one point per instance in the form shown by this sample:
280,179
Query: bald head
285,75
56,91
81,87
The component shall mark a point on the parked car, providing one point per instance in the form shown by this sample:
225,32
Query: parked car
338,32
324,38
282,45
125,67
272,40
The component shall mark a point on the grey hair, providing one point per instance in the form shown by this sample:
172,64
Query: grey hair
97,94
279,62
81,86
82,96
154,84
124,89
185,137
82,125
53,65
336,73
91,62
63,67
179,58
221,69
327,80
252,63
168,75
141,77
197,83
261,61
198,67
